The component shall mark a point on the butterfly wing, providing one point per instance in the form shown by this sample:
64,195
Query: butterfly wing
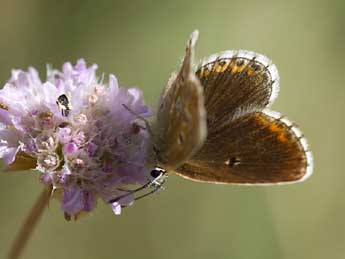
246,143
236,83
181,119
256,148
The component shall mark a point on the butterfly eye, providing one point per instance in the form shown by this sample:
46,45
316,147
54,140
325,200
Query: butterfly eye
157,172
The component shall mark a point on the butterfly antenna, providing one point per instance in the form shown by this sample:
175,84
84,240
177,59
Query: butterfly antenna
159,177
157,188
129,192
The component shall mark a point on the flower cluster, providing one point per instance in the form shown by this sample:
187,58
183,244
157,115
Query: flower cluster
82,136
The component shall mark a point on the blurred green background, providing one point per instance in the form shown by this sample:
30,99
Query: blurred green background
142,42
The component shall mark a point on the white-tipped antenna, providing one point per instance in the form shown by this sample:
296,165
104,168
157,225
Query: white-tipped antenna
156,183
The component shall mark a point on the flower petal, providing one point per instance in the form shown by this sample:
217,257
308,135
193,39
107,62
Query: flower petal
72,201
5,117
116,208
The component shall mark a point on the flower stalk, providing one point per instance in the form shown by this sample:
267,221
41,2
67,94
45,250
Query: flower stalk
30,223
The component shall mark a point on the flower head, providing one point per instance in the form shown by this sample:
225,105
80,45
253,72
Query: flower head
82,135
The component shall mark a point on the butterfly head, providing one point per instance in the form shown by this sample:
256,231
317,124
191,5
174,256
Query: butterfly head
157,172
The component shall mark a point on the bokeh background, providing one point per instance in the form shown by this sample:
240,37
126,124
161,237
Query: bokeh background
142,42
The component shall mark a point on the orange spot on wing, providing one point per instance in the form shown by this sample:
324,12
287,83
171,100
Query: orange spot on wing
282,137
274,128
261,119
250,72
236,69
220,68
204,72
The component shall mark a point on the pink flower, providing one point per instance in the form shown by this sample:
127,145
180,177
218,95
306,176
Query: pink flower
78,132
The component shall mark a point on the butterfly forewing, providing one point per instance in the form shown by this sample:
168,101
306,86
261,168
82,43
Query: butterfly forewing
256,148
181,119
236,83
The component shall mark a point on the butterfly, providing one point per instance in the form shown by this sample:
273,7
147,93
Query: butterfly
214,125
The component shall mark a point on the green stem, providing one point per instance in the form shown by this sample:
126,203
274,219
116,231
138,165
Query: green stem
29,224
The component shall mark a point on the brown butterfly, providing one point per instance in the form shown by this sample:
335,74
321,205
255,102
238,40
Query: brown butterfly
213,124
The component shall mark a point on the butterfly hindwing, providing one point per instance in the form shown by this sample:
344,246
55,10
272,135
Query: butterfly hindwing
256,148
181,119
